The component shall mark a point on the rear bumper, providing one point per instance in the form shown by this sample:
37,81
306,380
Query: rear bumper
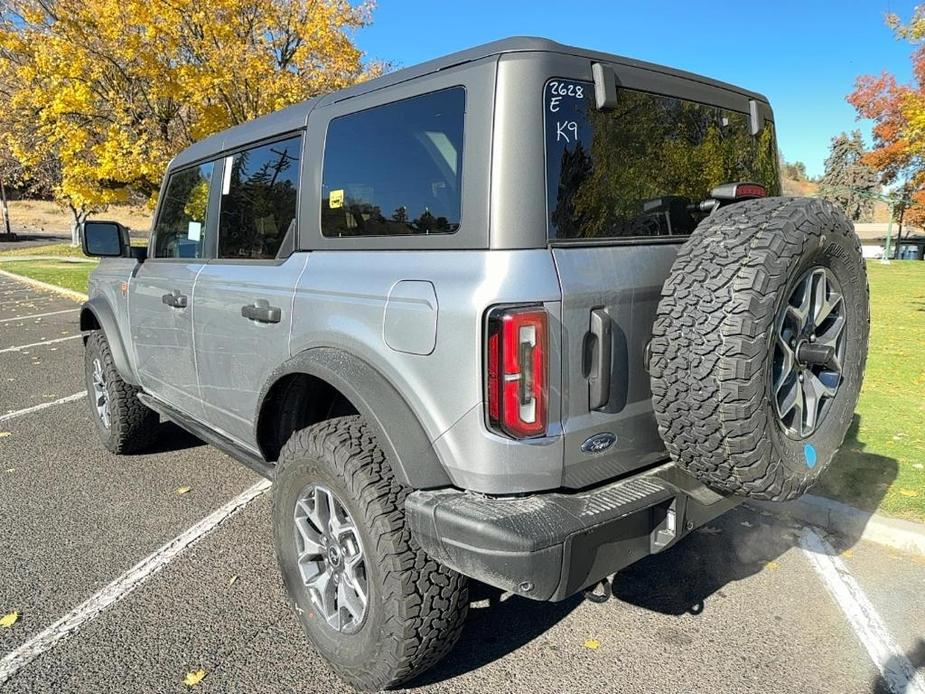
551,545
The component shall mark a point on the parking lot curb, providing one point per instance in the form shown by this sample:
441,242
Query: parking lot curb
69,293
845,520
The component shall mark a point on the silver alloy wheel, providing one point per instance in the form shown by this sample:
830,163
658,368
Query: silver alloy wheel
809,351
100,394
331,559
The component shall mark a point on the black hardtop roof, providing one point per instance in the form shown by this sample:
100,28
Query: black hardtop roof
296,116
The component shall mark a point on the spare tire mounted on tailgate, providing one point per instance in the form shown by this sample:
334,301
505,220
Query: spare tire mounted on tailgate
759,344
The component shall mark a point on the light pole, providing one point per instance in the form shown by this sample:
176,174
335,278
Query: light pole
890,200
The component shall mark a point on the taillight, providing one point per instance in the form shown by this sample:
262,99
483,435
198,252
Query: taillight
516,361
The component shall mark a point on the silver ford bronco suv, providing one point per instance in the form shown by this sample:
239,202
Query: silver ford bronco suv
524,314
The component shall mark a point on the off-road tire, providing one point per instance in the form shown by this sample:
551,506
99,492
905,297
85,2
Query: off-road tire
132,425
417,607
713,337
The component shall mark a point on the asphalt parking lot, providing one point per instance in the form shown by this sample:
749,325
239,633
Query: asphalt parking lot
749,603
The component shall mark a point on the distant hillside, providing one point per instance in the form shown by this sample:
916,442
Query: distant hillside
810,189
804,189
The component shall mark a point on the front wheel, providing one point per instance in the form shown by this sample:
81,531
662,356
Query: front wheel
372,603
124,424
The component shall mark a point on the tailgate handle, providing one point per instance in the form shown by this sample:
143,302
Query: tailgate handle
599,377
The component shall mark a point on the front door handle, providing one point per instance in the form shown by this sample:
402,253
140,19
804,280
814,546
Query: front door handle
602,342
262,312
175,299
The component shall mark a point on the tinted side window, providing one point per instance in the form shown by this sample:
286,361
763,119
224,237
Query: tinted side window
259,200
181,223
395,169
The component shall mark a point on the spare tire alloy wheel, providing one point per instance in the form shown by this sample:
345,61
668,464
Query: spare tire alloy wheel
331,560
808,352
759,345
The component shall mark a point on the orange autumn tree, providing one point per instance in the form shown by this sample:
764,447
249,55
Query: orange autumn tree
898,112
110,90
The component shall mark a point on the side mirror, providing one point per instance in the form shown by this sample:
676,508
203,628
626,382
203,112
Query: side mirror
105,240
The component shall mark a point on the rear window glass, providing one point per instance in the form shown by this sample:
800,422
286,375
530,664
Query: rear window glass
395,169
642,169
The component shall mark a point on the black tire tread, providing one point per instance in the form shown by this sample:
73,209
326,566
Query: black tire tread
132,424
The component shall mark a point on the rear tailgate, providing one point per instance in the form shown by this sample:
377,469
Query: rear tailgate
625,185
611,289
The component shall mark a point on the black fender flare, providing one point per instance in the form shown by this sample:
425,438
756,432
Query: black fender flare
98,312
398,430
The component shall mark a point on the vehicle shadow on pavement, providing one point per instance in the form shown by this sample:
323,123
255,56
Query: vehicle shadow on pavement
745,541
169,437
916,658
498,624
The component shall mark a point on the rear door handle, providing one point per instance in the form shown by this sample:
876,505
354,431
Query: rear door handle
262,312
601,344
175,299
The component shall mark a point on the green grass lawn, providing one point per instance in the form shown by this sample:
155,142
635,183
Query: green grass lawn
64,250
56,249
59,272
882,464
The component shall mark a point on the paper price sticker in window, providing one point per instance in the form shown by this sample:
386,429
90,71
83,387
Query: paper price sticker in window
336,199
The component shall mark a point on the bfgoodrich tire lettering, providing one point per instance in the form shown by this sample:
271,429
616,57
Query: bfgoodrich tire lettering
713,344
131,425
416,607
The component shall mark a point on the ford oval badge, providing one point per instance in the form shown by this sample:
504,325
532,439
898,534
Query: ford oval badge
599,442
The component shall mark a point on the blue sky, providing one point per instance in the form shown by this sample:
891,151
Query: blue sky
804,56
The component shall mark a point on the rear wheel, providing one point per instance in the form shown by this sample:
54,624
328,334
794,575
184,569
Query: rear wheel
124,424
759,346
372,603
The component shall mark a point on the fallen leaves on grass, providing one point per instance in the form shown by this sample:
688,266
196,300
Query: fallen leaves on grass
184,490
9,619
908,492
194,678
592,644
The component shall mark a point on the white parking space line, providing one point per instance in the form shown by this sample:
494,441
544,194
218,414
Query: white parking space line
895,668
40,344
122,586
40,315
42,406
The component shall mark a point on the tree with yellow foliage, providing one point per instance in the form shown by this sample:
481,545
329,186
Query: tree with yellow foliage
112,89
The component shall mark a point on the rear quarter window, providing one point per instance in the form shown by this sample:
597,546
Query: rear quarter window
641,169
396,169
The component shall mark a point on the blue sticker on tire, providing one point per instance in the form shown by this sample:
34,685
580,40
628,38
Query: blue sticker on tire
809,452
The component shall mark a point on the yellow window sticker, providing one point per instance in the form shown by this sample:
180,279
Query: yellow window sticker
336,199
